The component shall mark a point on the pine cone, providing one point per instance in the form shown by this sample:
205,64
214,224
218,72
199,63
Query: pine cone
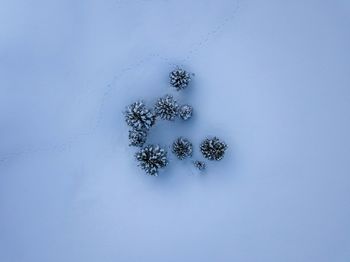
166,108
213,149
151,158
139,117
182,148
179,78
200,165
137,137
185,112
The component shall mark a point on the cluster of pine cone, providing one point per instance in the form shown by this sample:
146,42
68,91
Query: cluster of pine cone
140,119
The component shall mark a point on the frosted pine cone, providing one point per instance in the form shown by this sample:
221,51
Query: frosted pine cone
182,148
139,117
137,137
179,78
200,165
166,108
213,149
151,158
185,112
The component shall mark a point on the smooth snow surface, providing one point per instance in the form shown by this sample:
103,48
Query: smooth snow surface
272,79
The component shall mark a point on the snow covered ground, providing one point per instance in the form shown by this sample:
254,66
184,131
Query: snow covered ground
272,79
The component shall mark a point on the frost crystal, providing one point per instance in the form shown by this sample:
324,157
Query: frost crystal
182,148
179,78
138,116
185,112
151,158
166,108
213,148
200,165
137,137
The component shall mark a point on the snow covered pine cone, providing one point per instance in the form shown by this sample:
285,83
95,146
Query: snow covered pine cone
151,158
213,148
138,116
200,165
166,108
182,148
137,137
185,112
179,78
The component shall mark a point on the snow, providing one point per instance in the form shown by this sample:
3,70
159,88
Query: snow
271,80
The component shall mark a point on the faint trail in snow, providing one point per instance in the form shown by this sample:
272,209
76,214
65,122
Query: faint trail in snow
64,146
219,28
112,83
196,47
207,37
59,147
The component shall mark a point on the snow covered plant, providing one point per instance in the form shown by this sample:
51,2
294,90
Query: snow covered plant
213,148
151,158
139,117
179,78
185,112
200,165
182,148
166,108
137,137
